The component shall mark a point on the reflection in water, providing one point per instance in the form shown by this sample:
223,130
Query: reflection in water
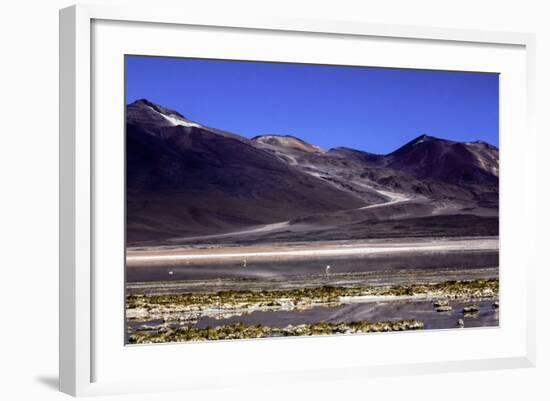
372,311
316,272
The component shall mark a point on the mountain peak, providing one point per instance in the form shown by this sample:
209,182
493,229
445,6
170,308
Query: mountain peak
146,111
423,138
146,102
156,107
286,141
450,161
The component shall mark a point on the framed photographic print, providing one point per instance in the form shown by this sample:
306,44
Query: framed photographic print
268,198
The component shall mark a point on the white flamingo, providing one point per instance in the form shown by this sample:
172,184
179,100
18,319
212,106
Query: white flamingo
327,269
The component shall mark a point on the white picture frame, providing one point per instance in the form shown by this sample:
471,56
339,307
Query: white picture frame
81,343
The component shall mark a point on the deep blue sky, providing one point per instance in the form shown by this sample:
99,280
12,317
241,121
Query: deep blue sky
372,109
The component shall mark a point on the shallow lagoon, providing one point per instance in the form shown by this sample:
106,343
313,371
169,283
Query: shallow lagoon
379,269
368,311
356,271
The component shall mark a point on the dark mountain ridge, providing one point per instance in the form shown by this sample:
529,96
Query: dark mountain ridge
454,162
187,180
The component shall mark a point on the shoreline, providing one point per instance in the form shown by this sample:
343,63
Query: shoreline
158,255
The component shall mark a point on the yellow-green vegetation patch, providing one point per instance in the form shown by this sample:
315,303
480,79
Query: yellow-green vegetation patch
243,331
483,288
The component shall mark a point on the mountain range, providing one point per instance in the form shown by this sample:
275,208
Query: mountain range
188,183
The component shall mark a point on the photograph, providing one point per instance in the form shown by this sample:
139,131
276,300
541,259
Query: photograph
242,201
276,199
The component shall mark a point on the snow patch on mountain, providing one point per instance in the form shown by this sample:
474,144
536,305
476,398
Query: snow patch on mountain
175,120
